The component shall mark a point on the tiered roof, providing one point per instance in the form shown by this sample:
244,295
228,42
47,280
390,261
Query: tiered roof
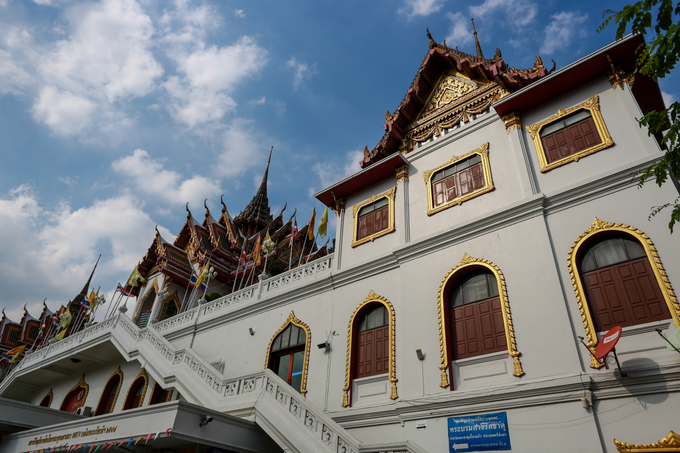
257,214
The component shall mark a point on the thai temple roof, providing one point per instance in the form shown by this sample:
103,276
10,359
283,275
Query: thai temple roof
257,214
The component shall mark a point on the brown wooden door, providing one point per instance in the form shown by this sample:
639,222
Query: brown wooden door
624,294
373,352
478,328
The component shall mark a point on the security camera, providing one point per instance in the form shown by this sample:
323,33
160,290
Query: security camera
205,419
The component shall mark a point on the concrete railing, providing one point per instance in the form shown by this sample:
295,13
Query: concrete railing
250,294
279,409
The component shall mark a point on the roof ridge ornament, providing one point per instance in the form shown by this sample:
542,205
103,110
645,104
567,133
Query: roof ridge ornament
207,211
480,55
224,206
433,43
188,212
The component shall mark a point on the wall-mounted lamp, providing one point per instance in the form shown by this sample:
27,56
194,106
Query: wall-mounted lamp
252,332
324,345
420,354
205,419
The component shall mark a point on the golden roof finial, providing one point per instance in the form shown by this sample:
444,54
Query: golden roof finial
188,212
479,48
433,44
207,211
224,206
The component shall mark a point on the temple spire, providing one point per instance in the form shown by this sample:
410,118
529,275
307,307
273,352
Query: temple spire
257,214
83,293
480,55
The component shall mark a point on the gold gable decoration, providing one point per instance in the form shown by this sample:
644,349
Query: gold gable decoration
450,89
668,444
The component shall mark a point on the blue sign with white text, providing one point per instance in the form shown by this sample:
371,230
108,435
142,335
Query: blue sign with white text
479,433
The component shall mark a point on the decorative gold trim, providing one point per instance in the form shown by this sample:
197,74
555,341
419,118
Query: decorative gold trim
468,261
671,443
402,173
51,395
599,227
166,301
593,106
143,299
483,151
115,398
617,76
449,89
390,194
145,376
512,121
371,298
86,388
305,366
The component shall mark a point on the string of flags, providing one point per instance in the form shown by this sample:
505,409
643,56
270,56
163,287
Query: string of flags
93,448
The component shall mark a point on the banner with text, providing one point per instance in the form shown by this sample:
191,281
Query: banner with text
479,433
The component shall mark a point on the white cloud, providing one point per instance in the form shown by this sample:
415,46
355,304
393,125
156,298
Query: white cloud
302,71
330,172
562,30
516,13
260,101
241,149
668,98
414,8
239,13
460,32
65,113
210,76
50,251
150,177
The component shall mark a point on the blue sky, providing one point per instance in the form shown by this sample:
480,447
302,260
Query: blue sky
115,113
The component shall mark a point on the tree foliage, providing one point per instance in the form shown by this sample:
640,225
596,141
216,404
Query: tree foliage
656,59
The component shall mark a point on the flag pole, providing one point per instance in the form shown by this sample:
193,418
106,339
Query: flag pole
292,244
312,248
243,249
304,244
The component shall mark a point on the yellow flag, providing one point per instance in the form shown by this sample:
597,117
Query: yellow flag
257,253
17,353
60,335
323,223
136,278
204,274
15,350
65,319
91,297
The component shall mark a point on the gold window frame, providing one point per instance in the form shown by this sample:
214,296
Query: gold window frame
308,341
599,227
466,262
392,374
671,443
115,398
51,397
145,376
483,151
143,299
593,106
390,195
86,389
169,299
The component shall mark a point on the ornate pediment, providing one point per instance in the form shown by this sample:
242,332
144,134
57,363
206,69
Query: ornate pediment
449,90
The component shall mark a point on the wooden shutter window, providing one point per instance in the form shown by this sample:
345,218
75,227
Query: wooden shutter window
620,284
570,135
458,180
373,218
373,332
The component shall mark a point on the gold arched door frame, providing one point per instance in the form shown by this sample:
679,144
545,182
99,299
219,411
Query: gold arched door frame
371,298
115,398
466,262
172,298
143,375
598,227
49,395
154,286
86,389
308,341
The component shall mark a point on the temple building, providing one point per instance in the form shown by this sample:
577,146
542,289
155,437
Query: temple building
495,284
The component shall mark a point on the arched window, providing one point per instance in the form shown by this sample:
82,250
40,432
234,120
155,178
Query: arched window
135,396
75,398
47,400
288,354
372,350
160,395
145,305
169,308
474,315
371,344
618,279
619,282
110,394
